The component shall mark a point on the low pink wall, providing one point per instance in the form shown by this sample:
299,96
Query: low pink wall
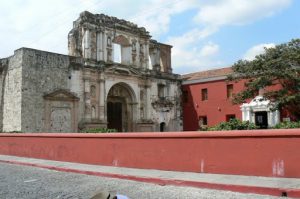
259,152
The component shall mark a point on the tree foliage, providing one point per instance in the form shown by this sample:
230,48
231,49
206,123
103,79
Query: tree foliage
277,66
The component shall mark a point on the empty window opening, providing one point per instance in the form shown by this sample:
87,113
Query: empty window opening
284,194
117,53
229,117
202,120
204,94
229,91
161,91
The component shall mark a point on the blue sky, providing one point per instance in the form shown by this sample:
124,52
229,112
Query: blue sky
205,34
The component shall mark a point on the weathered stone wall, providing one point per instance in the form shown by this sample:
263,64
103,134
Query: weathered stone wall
41,88
11,91
3,70
77,86
43,73
166,110
93,37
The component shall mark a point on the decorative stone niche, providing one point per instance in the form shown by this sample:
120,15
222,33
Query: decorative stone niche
61,112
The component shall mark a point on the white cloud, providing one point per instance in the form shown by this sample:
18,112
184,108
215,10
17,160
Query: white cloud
256,50
45,24
37,24
238,12
209,50
156,14
211,16
189,57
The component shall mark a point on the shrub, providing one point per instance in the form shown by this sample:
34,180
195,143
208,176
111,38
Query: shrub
99,130
287,125
233,124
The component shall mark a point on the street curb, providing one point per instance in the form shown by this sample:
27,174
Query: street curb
292,193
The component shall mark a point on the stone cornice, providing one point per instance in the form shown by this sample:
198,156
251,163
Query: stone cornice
88,19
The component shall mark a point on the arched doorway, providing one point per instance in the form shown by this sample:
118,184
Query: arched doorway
120,100
162,126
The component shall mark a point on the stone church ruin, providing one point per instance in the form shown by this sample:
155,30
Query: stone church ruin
115,76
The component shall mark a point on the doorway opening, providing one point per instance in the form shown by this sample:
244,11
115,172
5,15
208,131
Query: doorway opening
114,116
162,126
261,119
120,108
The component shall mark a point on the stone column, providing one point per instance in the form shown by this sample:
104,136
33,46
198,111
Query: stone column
75,116
251,116
148,101
276,117
270,118
147,55
99,46
243,113
87,96
141,54
87,44
246,113
102,98
104,46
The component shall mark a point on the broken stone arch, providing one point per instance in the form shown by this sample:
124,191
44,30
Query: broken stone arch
122,40
121,107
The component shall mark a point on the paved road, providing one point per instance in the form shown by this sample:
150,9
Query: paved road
18,182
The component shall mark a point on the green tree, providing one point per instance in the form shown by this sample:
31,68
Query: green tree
277,66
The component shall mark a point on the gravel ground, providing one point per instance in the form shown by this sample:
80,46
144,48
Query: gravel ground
18,182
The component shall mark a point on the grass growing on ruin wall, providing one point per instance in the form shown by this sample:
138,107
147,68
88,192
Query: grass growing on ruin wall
99,130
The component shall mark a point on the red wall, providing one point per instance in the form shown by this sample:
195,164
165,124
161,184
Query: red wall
259,152
215,108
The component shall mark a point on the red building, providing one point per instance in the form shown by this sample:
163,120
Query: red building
207,97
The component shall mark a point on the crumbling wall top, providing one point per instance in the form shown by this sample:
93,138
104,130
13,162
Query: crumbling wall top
102,20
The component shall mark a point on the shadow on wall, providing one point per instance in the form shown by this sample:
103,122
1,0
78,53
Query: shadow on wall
190,115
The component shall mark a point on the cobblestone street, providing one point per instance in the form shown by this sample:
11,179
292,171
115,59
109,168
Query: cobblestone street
20,182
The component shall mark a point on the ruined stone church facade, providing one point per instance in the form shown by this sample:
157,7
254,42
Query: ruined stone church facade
115,76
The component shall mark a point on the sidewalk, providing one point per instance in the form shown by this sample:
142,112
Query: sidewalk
246,184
